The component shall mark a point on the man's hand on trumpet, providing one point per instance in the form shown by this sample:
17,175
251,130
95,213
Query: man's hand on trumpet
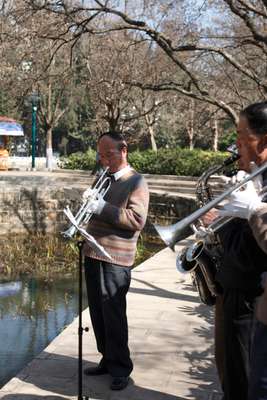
95,200
96,204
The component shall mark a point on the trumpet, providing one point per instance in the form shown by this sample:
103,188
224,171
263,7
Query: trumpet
172,234
84,214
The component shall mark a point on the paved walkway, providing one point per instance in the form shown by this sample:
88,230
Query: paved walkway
171,339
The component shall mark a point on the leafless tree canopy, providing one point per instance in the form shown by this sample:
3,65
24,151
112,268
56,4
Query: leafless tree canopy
143,60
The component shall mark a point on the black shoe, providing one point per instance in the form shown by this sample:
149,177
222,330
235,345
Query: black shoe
93,371
119,382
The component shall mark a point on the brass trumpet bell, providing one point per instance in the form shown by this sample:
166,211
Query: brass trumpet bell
172,234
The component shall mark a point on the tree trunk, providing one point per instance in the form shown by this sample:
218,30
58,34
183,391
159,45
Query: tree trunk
215,134
49,149
151,132
152,138
191,141
190,124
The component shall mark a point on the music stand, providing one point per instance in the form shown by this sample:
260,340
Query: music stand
80,244
90,240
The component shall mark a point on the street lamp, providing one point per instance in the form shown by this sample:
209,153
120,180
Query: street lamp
34,99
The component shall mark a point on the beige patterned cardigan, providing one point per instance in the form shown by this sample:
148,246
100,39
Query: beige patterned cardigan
123,217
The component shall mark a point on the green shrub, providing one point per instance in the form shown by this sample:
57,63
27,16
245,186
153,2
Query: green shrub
79,160
143,161
227,140
175,161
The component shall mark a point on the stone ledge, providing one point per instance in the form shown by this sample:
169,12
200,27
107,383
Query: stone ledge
36,199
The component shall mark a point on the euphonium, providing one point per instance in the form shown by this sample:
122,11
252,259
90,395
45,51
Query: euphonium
172,234
84,214
202,265
201,258
203,189
195,253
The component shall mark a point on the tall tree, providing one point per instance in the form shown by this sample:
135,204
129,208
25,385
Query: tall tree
41,66
190,50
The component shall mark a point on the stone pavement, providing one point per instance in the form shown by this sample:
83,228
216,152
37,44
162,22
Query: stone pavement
171,340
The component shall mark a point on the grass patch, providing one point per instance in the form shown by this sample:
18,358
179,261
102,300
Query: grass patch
45,256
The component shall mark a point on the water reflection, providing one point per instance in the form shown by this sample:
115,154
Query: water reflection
31,318
10,288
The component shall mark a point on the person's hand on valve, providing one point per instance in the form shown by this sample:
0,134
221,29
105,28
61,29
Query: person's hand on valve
242,203
96,205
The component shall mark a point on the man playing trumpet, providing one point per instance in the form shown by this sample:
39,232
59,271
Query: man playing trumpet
117,221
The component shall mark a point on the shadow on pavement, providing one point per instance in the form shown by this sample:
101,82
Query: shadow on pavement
23,396
62,380
202,369
203,372
160,292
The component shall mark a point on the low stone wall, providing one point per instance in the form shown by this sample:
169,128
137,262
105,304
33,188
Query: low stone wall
31,205
31,210
167,209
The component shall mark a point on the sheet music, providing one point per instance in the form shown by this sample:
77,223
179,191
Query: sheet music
89,238
94,244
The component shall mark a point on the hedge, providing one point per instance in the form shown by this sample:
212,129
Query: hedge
79,160
175,161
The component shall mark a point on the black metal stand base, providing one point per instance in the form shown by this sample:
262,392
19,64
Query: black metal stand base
80,328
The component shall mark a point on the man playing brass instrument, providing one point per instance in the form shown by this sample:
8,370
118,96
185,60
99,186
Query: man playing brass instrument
254,210
116,224
250,206
243,261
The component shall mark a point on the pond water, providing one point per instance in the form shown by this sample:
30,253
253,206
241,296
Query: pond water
31,317
42,297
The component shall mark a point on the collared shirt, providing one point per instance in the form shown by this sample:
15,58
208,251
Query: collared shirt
117,175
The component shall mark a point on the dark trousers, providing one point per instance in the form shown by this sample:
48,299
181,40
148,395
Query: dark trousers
107,286
219,337
258,373
238,324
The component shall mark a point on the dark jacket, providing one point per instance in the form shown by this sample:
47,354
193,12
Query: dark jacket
242,261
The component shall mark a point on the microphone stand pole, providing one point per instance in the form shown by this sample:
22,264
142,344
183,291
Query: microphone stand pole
80,327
